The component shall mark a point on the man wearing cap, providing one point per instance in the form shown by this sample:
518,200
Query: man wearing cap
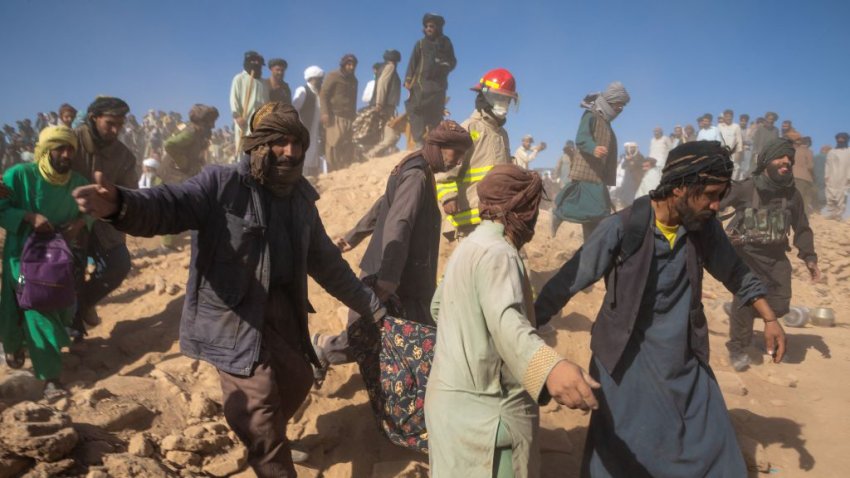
661,412
525,154
767,206
427,77
259,236
278,89
247,94
100,150
338,104
306,102
837,174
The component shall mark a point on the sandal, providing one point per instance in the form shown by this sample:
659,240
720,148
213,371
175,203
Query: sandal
17,359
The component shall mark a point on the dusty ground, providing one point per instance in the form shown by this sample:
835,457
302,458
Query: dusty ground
132,390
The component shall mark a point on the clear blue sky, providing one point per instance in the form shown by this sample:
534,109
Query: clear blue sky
678,59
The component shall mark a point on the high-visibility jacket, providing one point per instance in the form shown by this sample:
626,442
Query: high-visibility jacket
489,147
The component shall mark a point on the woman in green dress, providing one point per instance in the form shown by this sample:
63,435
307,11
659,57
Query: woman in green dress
39,200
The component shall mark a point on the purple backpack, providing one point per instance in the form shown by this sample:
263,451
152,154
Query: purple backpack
46,281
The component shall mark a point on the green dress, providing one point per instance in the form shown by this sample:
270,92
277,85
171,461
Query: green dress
43,333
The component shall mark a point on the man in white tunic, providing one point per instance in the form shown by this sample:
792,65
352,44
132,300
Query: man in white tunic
306,101
247,94
837,177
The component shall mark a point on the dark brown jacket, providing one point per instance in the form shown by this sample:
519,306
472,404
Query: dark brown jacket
338,96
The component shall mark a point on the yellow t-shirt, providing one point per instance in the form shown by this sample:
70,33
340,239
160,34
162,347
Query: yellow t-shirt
668,231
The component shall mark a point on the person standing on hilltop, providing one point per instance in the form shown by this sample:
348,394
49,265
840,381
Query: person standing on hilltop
258,238
306,101
338,104
247,94
427,77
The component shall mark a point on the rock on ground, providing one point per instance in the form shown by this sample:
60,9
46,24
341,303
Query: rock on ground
37,431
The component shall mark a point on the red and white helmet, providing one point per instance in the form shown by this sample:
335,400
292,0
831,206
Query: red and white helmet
499,81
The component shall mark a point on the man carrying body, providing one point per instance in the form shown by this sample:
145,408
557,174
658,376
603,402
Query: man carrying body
101,152
661,412
837,176
278,90
432,60
456,188
767,206
247,94
258,237
338,104
525,154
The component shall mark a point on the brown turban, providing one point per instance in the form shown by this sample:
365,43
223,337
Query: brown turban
271,123
448,134
203,115
512,194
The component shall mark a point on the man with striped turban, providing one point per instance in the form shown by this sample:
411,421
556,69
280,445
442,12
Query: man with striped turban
661,412
763,244
40,201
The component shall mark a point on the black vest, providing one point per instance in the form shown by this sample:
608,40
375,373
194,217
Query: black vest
625,283
308,109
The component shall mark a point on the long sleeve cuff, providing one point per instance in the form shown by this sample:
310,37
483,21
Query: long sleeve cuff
537,372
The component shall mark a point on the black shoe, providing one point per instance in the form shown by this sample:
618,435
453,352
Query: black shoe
16,360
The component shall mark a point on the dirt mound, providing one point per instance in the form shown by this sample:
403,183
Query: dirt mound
136,407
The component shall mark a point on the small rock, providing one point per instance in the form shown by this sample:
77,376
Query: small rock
159,285
173,289
183,458
95,395
49,469
201,406
37,431
63,404
97,474
115,414
227,464
125,465
20,385
139,445
217,428
195,431
172,442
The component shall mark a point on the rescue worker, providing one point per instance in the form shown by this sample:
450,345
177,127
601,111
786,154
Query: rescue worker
456,188
767,206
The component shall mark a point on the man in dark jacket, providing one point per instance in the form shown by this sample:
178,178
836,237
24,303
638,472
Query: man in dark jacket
767,206
101,151
257,237
405,227
661,412
338,104
432,60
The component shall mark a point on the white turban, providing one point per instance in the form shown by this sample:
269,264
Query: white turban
313,72
151,163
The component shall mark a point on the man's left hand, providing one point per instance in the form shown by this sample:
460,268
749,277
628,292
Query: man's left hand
814,271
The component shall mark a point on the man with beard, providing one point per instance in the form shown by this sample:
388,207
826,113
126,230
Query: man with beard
101,152
586,200
338,105
431,61
661,412
767,206
491,369
186,149
258,237
39,202
765,132
278,89
456,188
837,177
247,94
67,113
405,227
306,101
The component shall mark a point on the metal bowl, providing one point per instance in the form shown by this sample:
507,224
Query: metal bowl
823,317
796,317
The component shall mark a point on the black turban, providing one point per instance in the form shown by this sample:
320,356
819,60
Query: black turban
108,105
434,18
775,148
392,55
696,162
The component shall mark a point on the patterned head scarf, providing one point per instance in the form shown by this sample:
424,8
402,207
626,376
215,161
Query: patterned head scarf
512,194
49,139
696,162
603,103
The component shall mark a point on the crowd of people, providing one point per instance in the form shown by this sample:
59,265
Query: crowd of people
481,369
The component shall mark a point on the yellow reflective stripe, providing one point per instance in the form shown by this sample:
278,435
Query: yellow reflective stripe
445,188
464,218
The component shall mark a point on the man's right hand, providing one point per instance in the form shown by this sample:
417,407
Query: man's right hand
450,206
600,152
343,245
571,386
99,200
